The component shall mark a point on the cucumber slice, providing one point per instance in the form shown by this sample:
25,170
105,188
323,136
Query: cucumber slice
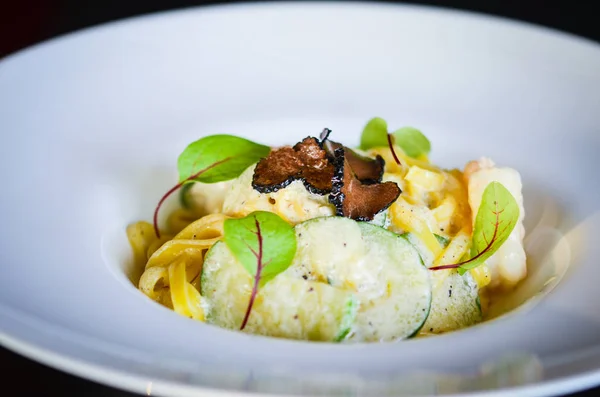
455,303
287,306
384,270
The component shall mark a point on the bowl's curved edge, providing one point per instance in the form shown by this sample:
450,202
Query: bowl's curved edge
135,376
106,375
130,382
137,384
241,5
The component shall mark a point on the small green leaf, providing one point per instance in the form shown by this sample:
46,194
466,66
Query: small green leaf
212,159
374,134
264,244
412,142
496,218
185,196
218,158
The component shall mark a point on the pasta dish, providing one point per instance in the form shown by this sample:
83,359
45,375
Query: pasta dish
324,242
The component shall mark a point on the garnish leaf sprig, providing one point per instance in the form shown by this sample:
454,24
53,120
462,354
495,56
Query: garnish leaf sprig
496,218
265,246
409,139
213,159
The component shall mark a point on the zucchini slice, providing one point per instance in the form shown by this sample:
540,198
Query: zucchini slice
287,306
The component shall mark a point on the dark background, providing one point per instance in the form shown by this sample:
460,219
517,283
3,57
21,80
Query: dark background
26,22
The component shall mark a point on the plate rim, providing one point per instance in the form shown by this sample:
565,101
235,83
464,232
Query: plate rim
124,380
240,4
129,382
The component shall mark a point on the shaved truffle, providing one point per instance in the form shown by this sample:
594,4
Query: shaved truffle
324,166
317,172
354,199
306,161
368,170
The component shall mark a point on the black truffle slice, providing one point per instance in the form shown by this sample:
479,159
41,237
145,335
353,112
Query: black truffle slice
366,169
277,170
306,161
317,170
354,199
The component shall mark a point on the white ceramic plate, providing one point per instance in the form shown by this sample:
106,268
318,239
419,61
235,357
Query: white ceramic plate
92,124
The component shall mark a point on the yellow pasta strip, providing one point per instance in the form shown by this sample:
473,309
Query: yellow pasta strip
209,226
156,244
150,279
481,275
445,212
424,179
172,249
180,219
456,187
455,250
141,236
186,299
198,236
403,216
420,163
181,255
391,165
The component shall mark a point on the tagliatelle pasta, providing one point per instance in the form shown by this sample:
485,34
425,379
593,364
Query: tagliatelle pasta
172,264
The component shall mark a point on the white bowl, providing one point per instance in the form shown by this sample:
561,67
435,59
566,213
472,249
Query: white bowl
93,122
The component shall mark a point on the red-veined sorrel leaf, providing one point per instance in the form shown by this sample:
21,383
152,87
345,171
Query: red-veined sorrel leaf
212,159
496,218
264,244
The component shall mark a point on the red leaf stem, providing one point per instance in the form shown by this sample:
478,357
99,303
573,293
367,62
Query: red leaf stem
259,267
391,145
481,253
180,184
